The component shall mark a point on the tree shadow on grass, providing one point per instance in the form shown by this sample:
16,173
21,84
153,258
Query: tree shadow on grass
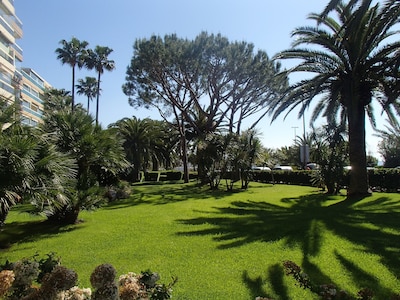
372,226
161,194
24,232
255,285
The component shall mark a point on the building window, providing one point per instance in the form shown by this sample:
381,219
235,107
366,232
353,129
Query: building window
25,103
34,107
35,93
26,88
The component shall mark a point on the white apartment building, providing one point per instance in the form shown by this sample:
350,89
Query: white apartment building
17,83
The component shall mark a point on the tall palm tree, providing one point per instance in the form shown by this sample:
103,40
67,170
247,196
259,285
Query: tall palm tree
98,59
87,87
352,63
332,4
72,53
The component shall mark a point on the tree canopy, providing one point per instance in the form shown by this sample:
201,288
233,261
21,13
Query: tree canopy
223,82
201,85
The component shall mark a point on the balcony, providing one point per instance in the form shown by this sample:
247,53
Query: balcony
19,54
9,6
8,31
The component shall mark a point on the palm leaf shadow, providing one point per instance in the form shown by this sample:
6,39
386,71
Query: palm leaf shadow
370,225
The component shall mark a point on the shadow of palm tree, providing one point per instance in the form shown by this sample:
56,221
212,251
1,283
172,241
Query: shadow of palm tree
255,285
300,222
24,232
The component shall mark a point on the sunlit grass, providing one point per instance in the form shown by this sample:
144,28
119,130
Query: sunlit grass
227,245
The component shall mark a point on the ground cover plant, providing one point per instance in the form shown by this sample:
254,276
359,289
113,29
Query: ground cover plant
224,245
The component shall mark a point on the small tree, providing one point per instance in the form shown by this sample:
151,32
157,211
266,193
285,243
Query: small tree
330,154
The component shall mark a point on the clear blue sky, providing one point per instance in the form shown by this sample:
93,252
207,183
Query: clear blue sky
117,24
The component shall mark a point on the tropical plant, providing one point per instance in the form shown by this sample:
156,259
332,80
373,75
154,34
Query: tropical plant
209,158
389,146
56,100
31,168
87,87
353,62
146,142
98,153
17,157
72,53
98,59
330,153
240,155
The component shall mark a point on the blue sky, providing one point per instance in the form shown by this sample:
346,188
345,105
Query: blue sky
118,23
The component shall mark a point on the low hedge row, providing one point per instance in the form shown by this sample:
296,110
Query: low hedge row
382,179
379,179
162,176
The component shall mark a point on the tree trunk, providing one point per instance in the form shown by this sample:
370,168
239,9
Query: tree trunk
358,160
98,98
3,216
184,158
73,89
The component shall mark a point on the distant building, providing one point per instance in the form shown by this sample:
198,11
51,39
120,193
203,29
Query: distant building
17,83
32,88
10,52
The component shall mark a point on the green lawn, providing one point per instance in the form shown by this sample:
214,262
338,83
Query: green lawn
227,245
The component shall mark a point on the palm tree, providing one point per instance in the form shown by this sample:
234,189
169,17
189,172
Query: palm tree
31,168
330,153
332,4
389,146
356,65
98,154
98,59
72,53
56,100
87,87
143,143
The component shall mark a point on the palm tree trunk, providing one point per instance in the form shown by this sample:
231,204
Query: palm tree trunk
88,103
357,153
73,89
97,99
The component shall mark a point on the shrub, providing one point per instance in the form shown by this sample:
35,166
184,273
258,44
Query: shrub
59,282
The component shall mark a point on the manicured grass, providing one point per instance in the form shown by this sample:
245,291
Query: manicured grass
227,245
